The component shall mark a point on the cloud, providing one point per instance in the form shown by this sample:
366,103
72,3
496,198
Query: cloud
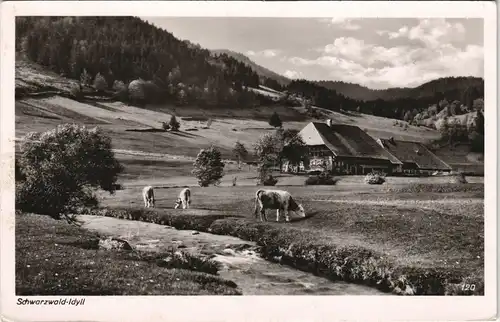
268,53
355,61
432,32
344,23
293,74
364,53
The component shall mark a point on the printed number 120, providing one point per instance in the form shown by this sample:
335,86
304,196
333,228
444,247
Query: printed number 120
468,287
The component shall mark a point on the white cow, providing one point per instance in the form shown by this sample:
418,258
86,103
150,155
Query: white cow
149,197
184,199
280,200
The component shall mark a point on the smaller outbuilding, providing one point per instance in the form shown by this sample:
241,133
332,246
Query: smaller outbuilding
416,157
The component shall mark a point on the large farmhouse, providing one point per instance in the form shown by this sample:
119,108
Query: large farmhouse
415,156
346,149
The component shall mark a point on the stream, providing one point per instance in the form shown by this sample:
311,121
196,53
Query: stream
239,260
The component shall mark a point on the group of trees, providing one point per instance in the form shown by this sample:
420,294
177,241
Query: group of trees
454,131
397,103
112,52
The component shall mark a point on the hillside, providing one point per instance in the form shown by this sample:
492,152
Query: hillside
139,129
448,87
260,70
118,50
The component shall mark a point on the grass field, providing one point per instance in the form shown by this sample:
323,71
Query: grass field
410,236
55,258
411,224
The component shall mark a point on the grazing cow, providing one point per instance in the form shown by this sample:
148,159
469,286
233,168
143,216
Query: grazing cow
184,199
149,197
280,200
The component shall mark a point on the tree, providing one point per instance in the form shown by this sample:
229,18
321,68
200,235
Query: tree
85,78
294,148
268,150
275,120
478,104
136,91
63,167
240,152
174,124
407,116
208,167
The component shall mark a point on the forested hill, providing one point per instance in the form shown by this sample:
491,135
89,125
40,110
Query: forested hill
446,87
123,49
270,76
114,51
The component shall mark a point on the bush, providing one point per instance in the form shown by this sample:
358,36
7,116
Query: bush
208,167
269,180
275,120
76,92
324,178
374,178
136,91
174,124
458,178
121,90
19,174
62,167
100,83
165,126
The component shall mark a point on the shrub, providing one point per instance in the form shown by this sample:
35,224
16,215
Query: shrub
19,174
165,126
269,180
121,90
62,167
208,167
458,178
76,92
324,178
275,120
174,124
375,178
136,91
100,83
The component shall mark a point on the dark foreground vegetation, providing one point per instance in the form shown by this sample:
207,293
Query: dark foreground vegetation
55,258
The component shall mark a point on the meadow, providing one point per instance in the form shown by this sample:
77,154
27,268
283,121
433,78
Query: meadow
55,258
407,236
411,227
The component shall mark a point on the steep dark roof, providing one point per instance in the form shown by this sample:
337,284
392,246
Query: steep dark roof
351,141
414,152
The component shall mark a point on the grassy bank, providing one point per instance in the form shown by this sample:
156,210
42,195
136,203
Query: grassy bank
333,246
56,258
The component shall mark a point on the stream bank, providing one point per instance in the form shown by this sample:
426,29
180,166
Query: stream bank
239,260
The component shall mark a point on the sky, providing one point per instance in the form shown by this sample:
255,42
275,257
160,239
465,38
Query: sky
374,52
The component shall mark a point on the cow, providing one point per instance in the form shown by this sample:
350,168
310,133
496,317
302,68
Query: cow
280,200
184,199
149,197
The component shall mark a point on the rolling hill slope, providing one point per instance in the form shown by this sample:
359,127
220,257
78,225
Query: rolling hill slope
447,87
133,128
260,70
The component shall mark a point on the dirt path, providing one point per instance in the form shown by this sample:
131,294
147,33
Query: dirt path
253,275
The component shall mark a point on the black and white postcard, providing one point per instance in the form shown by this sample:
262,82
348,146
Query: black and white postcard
255,161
